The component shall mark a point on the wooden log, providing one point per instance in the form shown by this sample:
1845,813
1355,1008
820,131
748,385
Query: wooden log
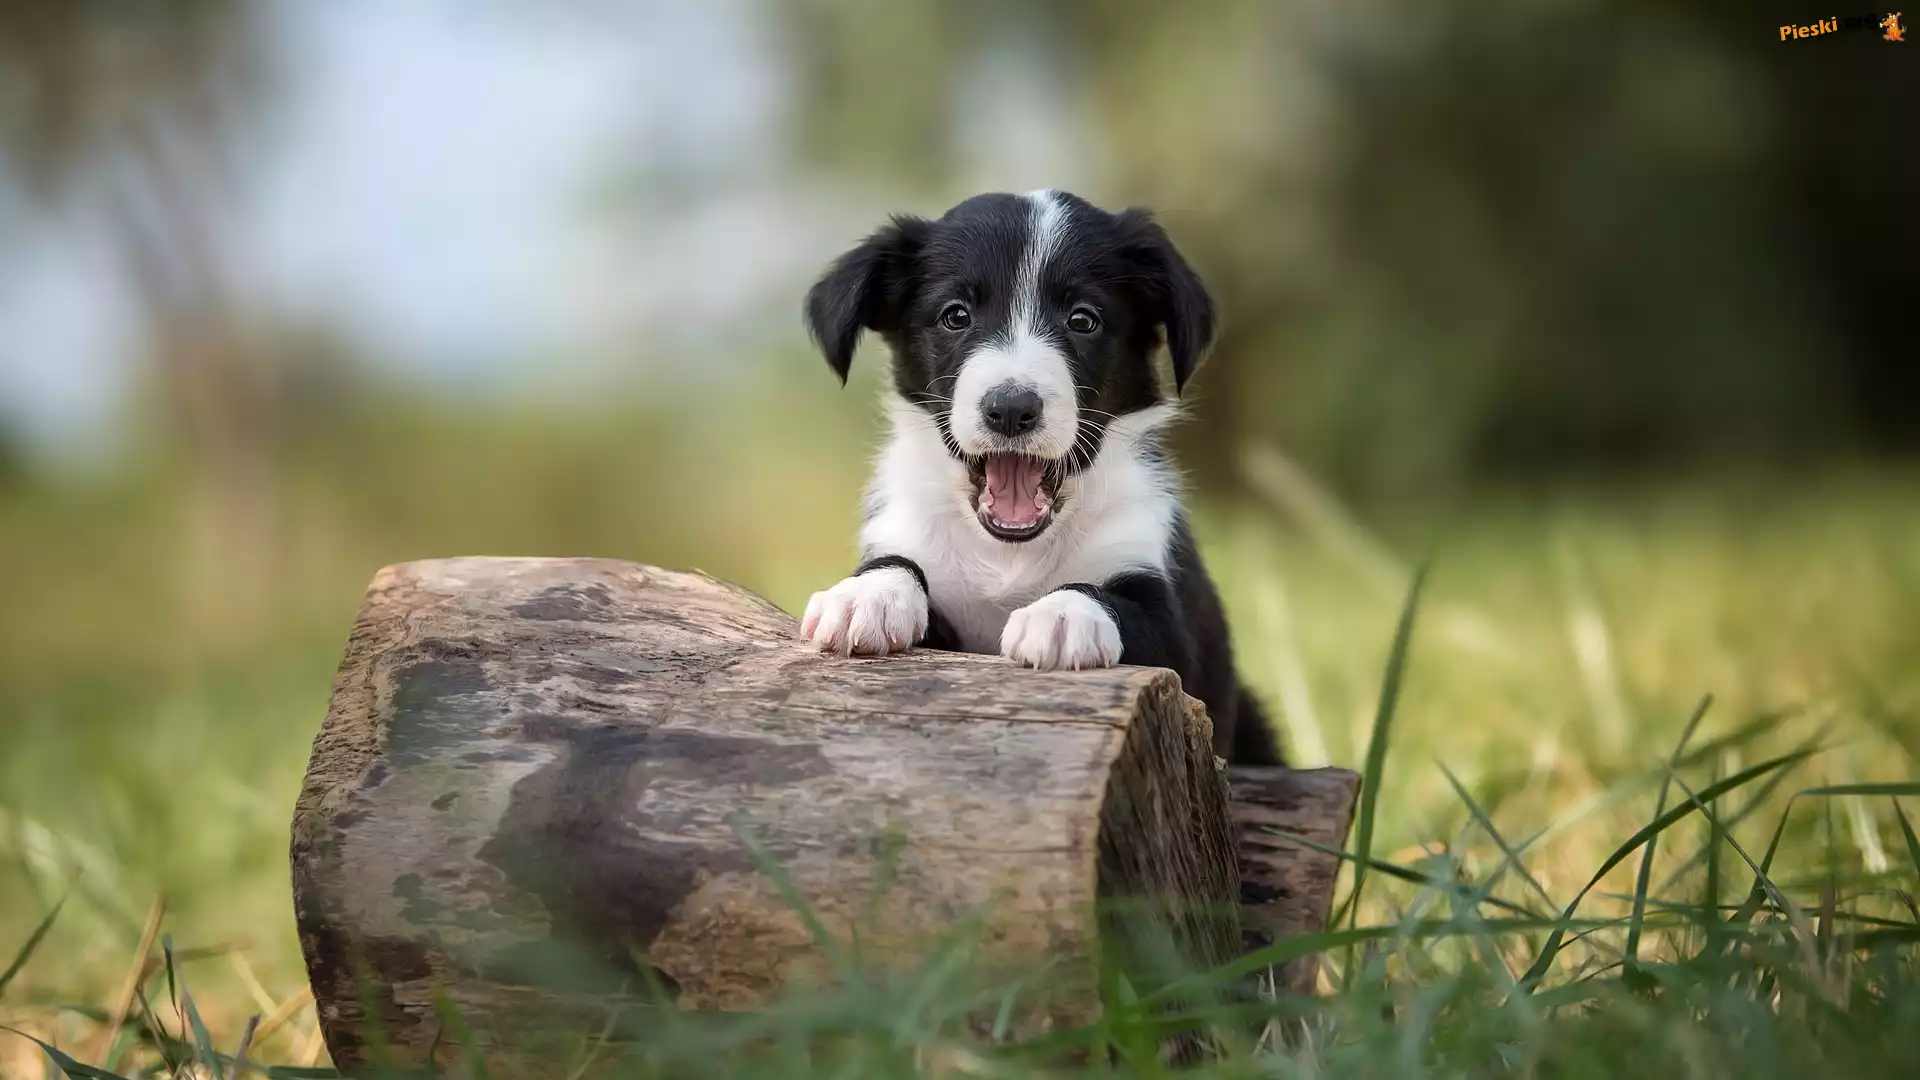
548,785
1286,887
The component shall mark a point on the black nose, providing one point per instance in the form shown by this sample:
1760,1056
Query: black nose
1011,410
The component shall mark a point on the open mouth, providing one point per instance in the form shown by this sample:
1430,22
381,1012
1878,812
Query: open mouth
1015,495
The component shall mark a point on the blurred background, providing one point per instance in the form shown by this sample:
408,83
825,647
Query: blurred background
1607,306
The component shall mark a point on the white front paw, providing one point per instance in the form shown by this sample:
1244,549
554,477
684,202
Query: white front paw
1064,629
872,614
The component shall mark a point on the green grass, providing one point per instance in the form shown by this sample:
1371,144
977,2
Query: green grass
1570,869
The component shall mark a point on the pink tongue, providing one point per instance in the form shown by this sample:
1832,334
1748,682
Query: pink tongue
1013,489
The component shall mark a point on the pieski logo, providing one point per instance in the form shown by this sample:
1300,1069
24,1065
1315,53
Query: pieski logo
1887,21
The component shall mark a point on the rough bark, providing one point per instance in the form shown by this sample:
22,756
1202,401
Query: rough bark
1286,887
549,786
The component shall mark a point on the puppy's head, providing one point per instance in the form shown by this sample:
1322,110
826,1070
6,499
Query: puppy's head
1024,325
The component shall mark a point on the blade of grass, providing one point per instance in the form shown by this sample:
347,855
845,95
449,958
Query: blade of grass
237,959
1754,803
1510,855
833,948
451,1020
123,998
1489,948
202,1039
316,1045
183,1004
1894,788
1712,886
947,964
1745,734
599,1046
1408,874
1830,888
1631,959
1654,828
1010,997
33,942
1757,895
173,985
1798,918
246,1044
1906,830
171,1050
1376,763
284,1012
77,1070
1632,785
1280,952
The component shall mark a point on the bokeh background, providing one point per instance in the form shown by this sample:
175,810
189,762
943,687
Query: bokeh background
1609,307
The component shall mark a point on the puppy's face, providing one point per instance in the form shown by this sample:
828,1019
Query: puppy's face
1024,325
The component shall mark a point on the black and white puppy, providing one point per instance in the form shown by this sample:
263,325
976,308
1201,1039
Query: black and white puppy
1022,503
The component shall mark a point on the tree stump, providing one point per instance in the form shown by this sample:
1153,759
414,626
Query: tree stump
545,785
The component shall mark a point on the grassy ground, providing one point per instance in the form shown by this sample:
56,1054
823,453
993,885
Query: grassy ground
1508,924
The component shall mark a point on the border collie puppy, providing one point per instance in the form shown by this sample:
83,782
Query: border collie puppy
1022,504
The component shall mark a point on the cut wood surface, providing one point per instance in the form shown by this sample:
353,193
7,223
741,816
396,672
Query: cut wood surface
545,785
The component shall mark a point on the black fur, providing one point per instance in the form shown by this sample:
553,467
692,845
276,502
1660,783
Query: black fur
901,562
1179,624
900,281
939,635
864,289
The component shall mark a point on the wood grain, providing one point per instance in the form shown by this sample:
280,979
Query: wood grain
1286,888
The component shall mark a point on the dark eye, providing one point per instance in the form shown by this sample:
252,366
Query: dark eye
955,316
1083,321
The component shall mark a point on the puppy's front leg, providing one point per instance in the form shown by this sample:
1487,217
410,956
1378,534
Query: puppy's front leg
881,609
1131,619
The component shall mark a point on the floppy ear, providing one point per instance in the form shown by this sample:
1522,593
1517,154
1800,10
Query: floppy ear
865,289
1180,301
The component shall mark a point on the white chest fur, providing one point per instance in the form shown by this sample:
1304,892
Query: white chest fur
1117,516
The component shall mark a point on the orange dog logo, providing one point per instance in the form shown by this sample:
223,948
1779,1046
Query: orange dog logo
1891,24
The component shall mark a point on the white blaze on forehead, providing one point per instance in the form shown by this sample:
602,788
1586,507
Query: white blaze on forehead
1026,354
1048,222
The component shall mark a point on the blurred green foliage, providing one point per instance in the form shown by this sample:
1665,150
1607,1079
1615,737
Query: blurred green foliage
1460,243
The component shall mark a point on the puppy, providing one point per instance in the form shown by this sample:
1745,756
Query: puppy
1022,503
